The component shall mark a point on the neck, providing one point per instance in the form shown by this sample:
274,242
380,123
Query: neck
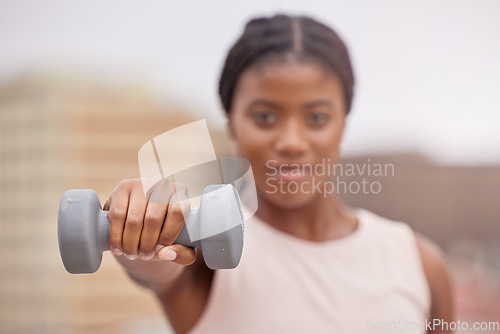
325,218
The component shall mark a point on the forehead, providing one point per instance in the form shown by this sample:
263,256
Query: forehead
289,80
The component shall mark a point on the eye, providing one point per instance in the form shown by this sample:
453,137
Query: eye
317,118
264,117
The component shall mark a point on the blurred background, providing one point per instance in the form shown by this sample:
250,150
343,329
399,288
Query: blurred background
84,84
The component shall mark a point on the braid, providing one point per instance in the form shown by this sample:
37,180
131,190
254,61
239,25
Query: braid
265,38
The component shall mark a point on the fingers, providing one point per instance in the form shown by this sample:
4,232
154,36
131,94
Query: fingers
134,223
156,211
138,227
117,214
177,212
178,254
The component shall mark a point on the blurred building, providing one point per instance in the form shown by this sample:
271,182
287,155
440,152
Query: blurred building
456,206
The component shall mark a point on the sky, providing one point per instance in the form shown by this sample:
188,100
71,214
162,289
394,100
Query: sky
427,72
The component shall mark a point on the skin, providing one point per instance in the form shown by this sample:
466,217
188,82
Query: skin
288,113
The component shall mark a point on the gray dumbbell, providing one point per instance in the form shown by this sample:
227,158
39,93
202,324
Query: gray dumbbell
216,227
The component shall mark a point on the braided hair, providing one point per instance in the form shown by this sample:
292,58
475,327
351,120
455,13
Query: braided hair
281,36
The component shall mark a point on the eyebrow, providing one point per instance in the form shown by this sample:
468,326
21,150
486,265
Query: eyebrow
265,103
304,106
317,104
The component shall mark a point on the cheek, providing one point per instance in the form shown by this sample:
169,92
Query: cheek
255,146
255,150
251,143
327,141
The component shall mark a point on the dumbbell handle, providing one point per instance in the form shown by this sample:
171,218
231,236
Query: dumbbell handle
182,239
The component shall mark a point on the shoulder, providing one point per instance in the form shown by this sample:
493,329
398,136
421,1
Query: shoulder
436,272
431,256
433,263
433,259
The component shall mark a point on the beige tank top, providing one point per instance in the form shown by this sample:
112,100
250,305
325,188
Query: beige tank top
370,281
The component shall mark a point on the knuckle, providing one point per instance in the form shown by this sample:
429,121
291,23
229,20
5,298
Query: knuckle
117,214
128,185
134,221
160,192
136,183
154,217
123,184
185,206
175,212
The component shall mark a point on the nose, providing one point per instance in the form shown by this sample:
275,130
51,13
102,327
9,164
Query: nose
291,141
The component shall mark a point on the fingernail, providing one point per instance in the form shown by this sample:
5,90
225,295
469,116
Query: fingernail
146,257
169,255
130,257
117,251
158,247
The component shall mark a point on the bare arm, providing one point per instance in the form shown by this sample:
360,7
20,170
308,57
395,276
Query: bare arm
439,284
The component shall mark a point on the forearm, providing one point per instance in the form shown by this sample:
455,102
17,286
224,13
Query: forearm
154,275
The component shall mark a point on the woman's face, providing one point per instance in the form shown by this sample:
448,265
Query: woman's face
286,118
